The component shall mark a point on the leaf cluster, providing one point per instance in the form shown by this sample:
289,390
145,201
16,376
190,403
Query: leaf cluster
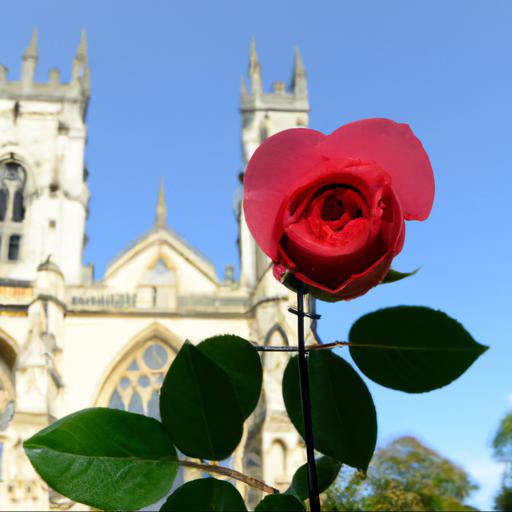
113,459
502,442
503,500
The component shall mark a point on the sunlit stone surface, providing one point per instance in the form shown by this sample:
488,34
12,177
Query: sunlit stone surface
68,341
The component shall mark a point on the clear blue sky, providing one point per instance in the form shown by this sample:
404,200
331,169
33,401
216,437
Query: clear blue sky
165,86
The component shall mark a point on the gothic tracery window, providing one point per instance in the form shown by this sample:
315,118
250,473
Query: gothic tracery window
138,382
137,385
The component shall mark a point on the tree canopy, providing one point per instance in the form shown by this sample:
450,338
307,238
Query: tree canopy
405,475
502,445
502,442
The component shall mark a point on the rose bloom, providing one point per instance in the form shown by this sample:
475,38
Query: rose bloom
329,210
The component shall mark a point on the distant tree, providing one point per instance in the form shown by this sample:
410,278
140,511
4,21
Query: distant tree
405,475
502,442
503,500
502,445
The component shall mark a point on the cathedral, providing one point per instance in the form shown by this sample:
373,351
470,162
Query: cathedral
69,341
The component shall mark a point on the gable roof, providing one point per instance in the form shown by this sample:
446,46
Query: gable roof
163,235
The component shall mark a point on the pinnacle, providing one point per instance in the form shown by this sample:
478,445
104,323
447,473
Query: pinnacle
254,63
298,64
161,207
81,53
31,51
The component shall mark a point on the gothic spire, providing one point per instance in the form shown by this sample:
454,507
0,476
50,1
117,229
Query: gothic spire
299,80
28,67
81,72
81,53
254,63
161,208
254,69
31,51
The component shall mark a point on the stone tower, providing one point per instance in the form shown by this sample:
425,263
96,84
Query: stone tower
43,208
43,189
264,114
273,449
68,341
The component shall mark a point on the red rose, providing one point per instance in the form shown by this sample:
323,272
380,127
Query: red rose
330,210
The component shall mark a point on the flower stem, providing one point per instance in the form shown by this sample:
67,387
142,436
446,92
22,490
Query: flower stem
314,501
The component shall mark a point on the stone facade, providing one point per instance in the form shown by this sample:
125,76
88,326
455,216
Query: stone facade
68,341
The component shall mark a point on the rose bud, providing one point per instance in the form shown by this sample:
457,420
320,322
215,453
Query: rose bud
329,210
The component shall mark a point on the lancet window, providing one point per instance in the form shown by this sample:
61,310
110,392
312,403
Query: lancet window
12,208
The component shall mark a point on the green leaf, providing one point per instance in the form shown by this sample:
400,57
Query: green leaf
280,503
105,458
412,348
344,418
199,408
394,275
242,364
205,495
327,470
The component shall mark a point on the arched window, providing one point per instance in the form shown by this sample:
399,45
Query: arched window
12,183
138,382
135,387
12,208
18,211
157,288
274,364
277,464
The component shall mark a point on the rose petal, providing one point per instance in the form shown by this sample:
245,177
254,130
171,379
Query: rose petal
356,285
395,148
271,175
360,284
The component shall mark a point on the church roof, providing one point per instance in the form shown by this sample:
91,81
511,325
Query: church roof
161,233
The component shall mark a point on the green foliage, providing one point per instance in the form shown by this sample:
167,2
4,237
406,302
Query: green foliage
327,470
411,348
502,446
112,459
199,407
105,458
503,500
280,503
242,364
405,475
345,423
502,442
393,275
205,495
